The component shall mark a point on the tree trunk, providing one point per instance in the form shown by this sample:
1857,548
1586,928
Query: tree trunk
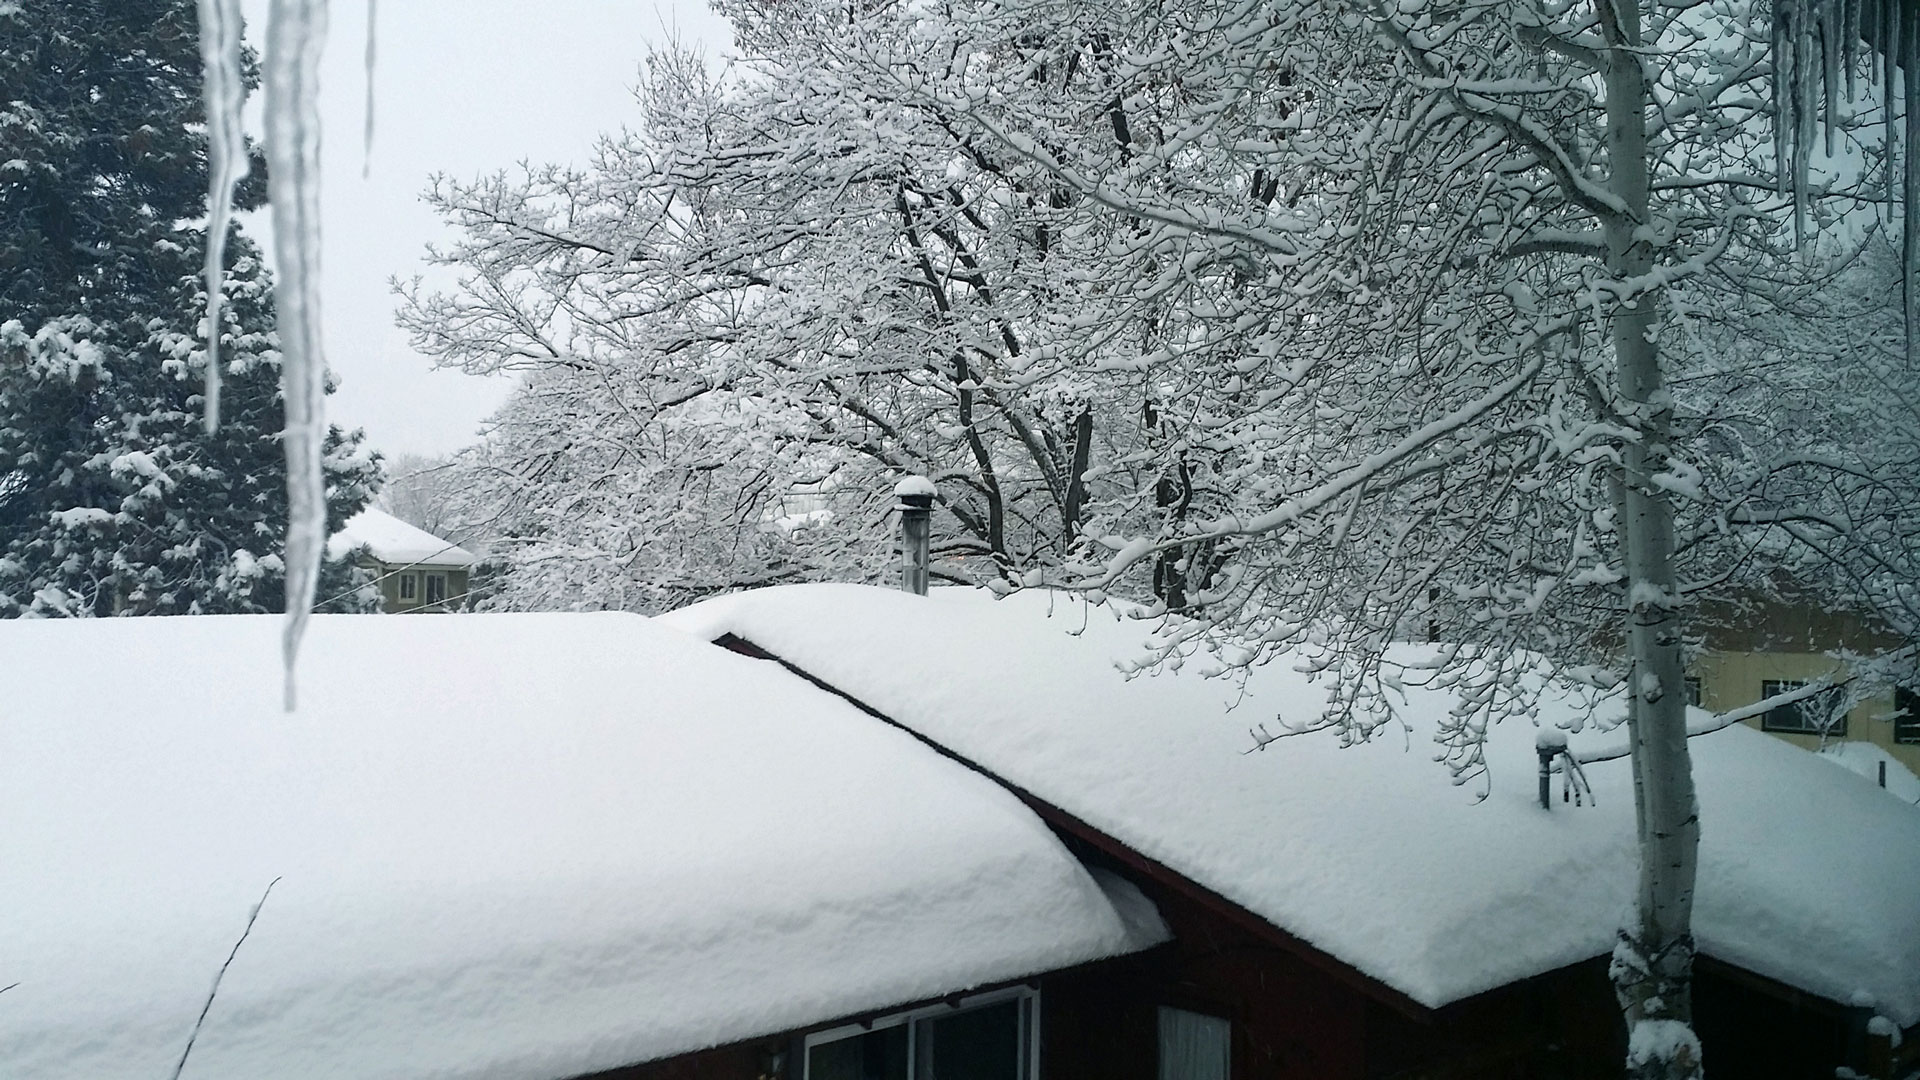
1652,967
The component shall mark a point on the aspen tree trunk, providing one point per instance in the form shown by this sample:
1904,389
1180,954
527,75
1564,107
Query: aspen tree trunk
1653,965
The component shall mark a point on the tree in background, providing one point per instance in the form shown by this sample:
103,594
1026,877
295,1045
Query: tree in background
113,498
1511,279
424,491
1451,319
760,309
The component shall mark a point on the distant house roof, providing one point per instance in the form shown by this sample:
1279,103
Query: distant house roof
394,541
1369,853
587,841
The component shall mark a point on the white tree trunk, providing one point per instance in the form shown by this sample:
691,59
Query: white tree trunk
1653,966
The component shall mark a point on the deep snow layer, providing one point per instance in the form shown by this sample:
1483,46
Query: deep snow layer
394,541
514,846
1807,874
1867,760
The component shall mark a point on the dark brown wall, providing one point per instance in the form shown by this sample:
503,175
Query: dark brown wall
1562,1025
1291,1021
741,1061
1295,1020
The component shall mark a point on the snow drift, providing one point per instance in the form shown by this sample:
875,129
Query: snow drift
1370,853
508,846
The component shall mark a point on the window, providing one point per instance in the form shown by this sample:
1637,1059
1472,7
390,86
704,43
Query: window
1194,1046
436,588
409,586
1693,690
988,1037
1906,720
1804,717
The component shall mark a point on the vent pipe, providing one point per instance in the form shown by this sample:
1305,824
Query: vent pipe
915,495
1549,743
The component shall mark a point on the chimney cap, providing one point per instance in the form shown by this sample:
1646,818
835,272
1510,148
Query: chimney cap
916,487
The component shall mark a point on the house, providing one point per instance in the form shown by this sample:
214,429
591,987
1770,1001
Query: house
1756,650
875,835
591,841
415,570
1349,911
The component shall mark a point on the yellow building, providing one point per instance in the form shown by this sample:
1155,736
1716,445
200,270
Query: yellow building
415,570
1754,653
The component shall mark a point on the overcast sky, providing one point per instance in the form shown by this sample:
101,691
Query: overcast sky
463,87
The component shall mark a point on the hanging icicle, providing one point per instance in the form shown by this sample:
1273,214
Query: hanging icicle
366,146
296,30
1817,46
225,94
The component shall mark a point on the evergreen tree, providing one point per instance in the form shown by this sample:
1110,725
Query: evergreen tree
113,498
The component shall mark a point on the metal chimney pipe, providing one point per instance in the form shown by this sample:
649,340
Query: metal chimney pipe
915,495
1548,743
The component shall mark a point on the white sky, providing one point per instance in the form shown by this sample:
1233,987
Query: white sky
463,87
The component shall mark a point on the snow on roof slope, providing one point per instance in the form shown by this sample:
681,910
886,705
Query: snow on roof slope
1370,853
394,541
508,846
1866,759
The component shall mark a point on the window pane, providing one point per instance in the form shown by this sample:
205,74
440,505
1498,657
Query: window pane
1788,718
1805,716
1194,1046
1906,726
978,1044
436,588
406,586
874,1055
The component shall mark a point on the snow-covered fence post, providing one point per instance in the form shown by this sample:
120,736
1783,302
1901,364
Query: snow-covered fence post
916,532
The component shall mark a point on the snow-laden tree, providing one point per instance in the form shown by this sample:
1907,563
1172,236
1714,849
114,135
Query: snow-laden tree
771,300
1465,320
113,497
425,490
1490,363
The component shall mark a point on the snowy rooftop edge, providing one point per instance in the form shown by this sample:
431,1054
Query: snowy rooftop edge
1459,896
394,541
541,875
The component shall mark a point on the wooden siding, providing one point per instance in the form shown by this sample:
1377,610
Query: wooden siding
1729,680
389,575
1300,1014
1293,1021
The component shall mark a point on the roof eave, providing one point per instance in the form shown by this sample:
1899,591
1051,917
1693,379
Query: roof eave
1147,867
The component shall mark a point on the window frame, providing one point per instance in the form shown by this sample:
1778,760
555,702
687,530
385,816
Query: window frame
1030,1014
1906,729
1208,1011
1770,687
428,580
406,586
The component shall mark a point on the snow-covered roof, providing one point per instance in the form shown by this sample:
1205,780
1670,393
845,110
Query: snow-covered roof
1369,853
577,841
394,541
1871,762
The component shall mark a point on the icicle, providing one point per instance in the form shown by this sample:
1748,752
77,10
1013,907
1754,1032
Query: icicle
1908,59
1781,32
1803,120
296,31
1830,21
366,146
225,94
1849,40
1890,47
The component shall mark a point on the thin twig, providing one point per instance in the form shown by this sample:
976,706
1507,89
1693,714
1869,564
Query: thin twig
221,974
